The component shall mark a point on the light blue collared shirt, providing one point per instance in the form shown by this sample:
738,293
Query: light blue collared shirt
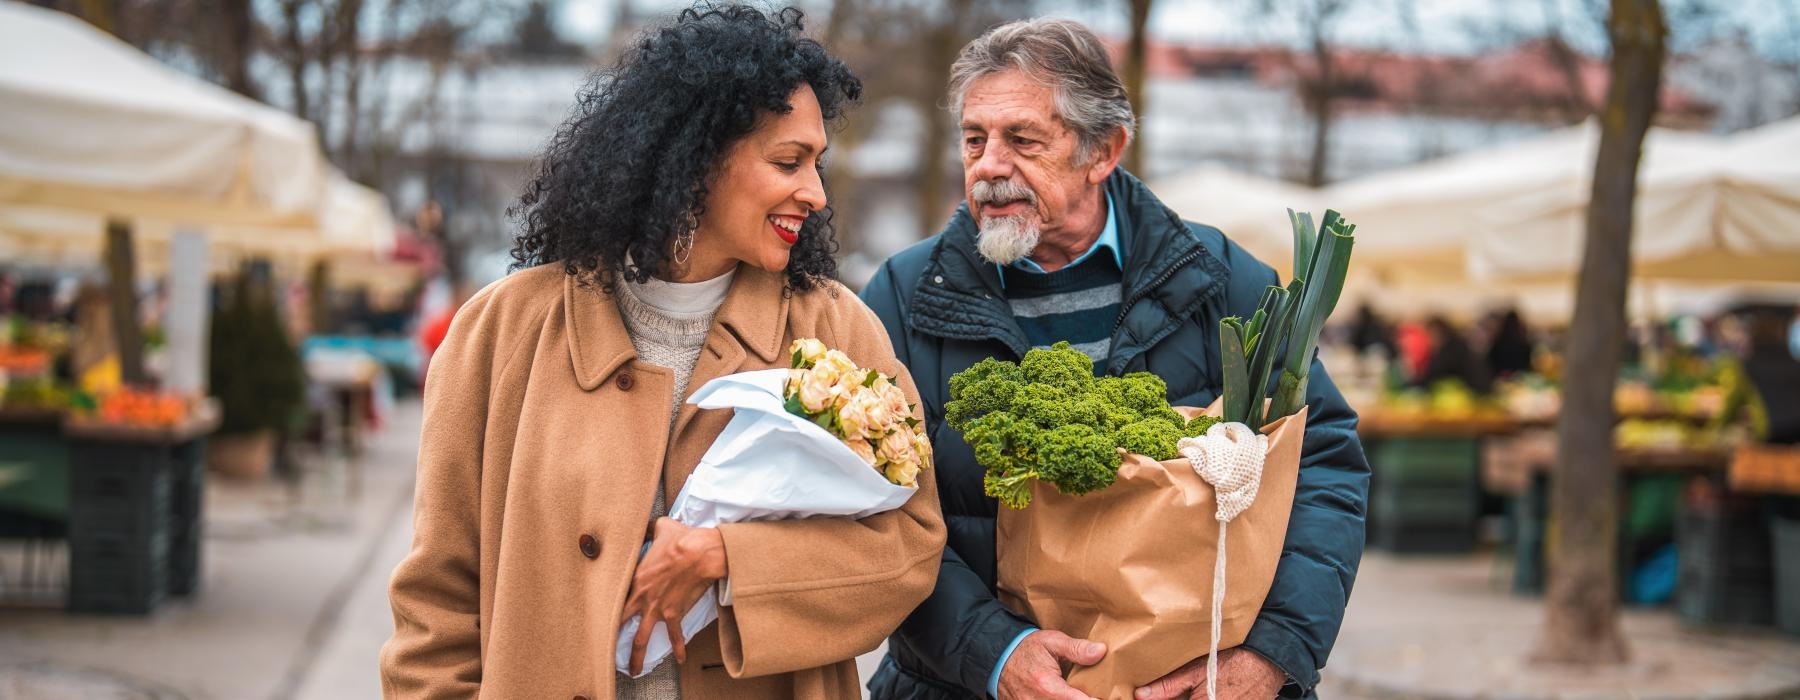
1109,240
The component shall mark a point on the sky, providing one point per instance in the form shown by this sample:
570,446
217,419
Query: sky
1433,26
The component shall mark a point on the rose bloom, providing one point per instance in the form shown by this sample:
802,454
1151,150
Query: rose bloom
795,376
836,363
881,419
896,448
810,350
816,391
903,473
921,445
862,448
895,398
856,415
849,386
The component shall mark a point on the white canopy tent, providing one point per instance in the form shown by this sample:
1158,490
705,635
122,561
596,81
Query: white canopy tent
1421,222
1251,210
1730,212
354,223
91,123
91,127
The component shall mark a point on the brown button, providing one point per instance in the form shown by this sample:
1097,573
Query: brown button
625,381
581,697
590,547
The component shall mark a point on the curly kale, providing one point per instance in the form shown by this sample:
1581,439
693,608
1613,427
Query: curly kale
984,387
1049,418
1151,437
1199,425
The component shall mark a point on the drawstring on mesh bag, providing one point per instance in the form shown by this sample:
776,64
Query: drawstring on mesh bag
1230,458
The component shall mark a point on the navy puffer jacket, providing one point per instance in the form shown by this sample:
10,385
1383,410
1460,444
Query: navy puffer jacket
944,309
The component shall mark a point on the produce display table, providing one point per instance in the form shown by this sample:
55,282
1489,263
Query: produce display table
34,500
135,511
34,469
349,380
1644,474
1377,425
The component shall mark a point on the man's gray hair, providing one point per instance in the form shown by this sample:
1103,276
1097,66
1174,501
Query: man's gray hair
1060,54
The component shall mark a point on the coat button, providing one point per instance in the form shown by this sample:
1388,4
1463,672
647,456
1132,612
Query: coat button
625,381
581,697
590,547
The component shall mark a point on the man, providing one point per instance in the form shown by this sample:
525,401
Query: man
1055,242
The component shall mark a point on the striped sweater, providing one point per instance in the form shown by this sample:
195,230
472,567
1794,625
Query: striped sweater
1079,303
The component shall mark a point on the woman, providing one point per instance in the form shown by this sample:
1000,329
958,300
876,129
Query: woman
677,232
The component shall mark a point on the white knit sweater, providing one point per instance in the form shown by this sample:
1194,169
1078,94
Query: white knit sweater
668,322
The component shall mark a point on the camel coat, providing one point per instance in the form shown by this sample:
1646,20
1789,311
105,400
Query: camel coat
542,442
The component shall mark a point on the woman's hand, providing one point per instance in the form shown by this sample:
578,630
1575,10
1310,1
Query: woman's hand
672,576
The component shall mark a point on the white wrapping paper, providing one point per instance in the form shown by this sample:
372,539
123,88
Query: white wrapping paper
767,464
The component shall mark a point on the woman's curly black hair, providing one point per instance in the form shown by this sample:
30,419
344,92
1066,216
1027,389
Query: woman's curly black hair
629,170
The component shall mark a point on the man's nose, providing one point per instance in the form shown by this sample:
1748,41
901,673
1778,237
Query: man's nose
992,164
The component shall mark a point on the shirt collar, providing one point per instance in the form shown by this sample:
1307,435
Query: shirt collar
1109,240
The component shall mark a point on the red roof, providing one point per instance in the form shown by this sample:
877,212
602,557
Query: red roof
1524,80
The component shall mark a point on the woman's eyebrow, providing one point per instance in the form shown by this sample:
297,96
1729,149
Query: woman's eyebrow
805,148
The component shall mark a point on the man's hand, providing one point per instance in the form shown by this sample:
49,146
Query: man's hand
1243,675
1035,669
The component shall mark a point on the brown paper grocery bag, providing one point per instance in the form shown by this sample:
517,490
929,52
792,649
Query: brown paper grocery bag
1131,565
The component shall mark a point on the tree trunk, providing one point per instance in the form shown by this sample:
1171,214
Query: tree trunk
946,43
1319,96
98,13
1136,56
1581,620
121,285
295,46
238,26
840,182
349,48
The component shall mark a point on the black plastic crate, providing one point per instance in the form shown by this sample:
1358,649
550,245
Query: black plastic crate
1424,538
1424,495
132,588
1786,540
1726,570
122,522
1708,599
188,489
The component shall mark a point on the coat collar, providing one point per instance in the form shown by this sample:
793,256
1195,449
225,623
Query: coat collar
751,319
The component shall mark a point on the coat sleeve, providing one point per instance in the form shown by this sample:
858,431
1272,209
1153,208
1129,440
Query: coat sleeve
808,593
435,651
961,630
1300,617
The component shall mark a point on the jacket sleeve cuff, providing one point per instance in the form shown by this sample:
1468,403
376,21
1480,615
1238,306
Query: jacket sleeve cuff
993,687
1288,652
982,661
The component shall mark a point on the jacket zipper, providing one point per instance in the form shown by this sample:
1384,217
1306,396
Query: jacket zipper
1158,282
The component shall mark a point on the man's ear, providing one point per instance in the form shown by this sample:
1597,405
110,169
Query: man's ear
1106,159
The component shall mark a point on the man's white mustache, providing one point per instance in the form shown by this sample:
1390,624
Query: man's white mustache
1001,192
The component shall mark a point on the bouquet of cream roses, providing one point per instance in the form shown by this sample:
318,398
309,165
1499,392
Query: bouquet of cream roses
862,407
823,438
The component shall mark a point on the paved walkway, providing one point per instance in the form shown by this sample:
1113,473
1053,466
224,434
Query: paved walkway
295,608
286,567
1447,628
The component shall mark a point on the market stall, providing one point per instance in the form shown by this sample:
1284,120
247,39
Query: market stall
105,148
